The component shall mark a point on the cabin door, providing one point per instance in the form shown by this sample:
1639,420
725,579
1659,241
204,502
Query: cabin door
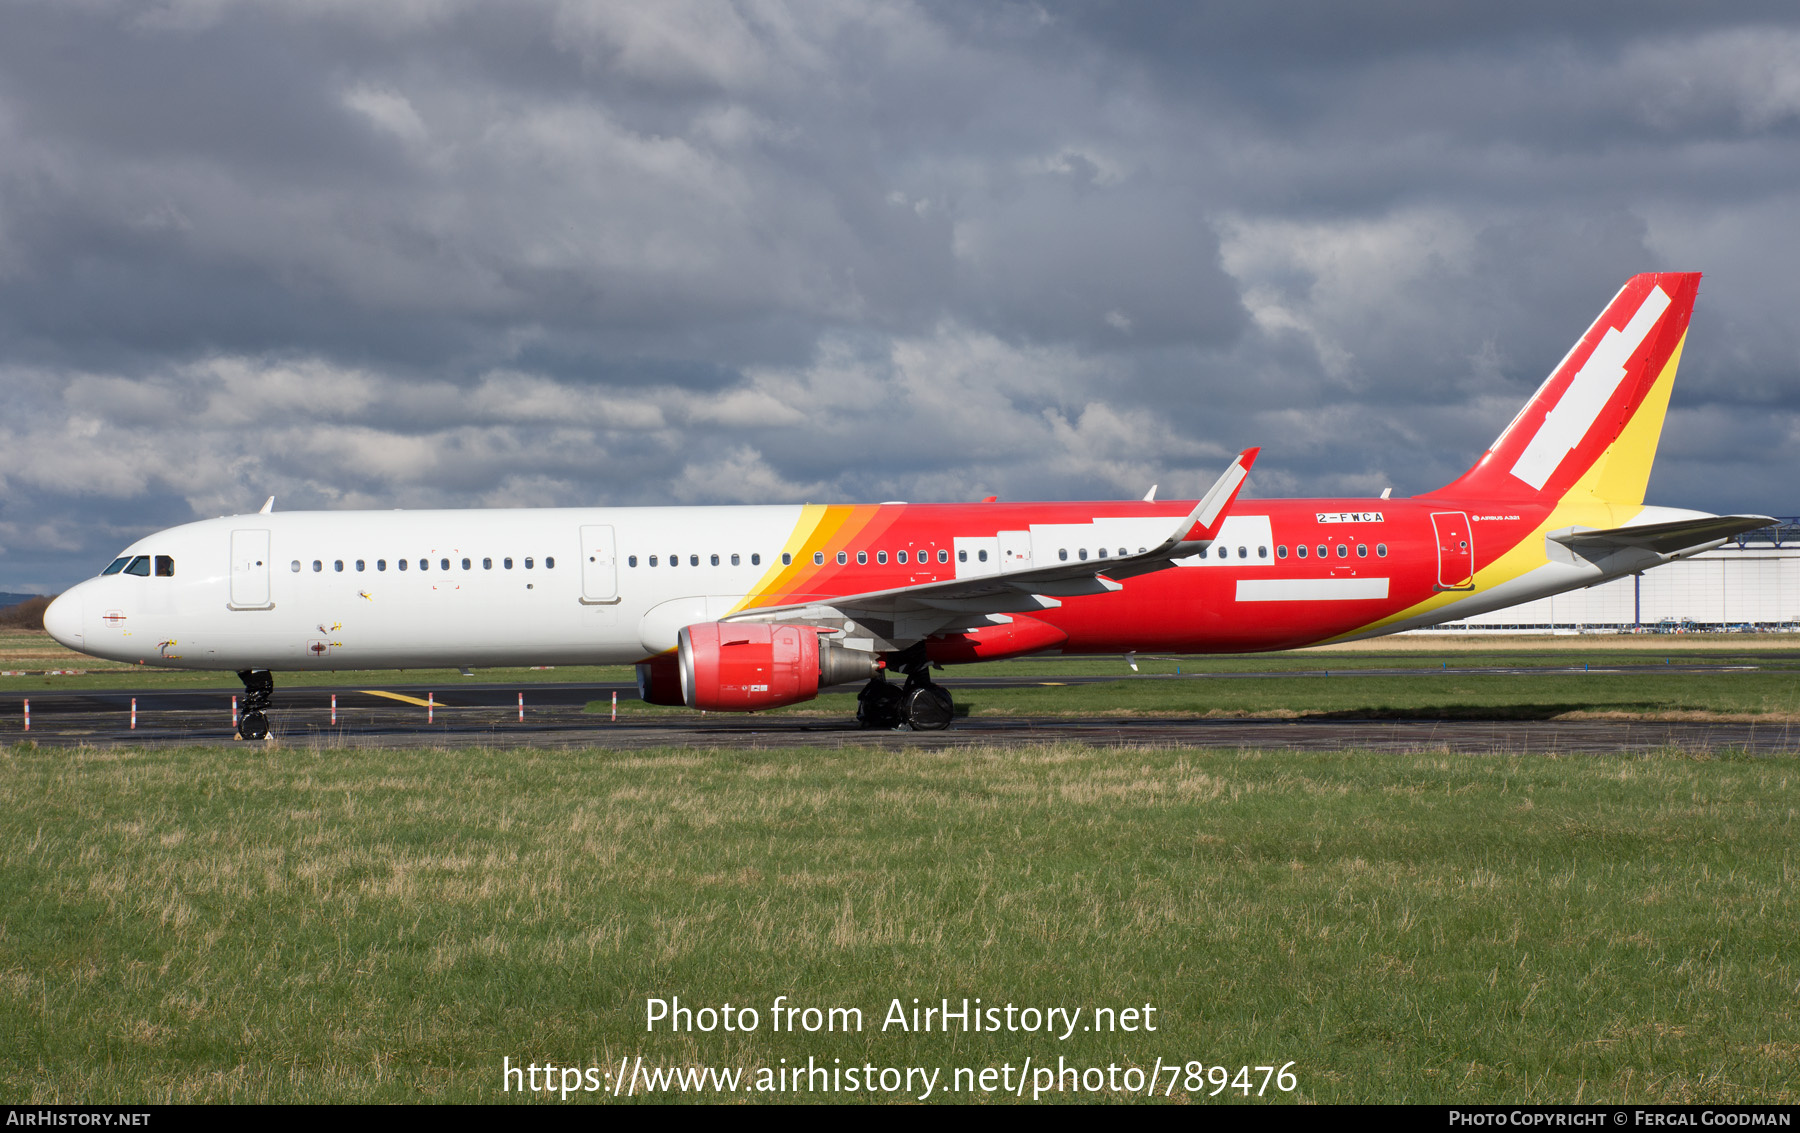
250,570
1456,550
599,570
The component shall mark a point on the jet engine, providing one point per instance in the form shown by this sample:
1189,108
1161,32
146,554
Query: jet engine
743,667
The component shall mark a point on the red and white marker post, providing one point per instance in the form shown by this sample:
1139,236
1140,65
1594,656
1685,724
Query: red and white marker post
28,715
521,708
615,718
334,709
430,706
234,720
134,713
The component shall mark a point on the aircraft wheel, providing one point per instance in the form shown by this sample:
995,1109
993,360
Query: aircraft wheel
879,705
254,724
929,708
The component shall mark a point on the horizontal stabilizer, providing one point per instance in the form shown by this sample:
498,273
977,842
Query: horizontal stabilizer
1662,538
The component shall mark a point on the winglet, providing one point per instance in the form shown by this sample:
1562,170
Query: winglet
268,506
1208,515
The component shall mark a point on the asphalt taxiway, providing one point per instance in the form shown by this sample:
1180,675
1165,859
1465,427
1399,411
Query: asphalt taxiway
555,715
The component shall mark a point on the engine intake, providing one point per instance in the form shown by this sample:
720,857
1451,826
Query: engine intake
746,666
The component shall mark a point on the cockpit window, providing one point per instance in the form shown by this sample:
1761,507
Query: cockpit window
139,566
117,566
165,566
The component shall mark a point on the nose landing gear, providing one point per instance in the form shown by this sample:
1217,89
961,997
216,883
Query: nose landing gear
259,689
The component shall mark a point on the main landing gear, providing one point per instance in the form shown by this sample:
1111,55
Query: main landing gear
259,689
919,705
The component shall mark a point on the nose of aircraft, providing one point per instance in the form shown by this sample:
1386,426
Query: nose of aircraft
63,618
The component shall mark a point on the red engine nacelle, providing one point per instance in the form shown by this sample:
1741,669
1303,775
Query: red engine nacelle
743,667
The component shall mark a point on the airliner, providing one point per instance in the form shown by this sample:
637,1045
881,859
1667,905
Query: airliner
739,609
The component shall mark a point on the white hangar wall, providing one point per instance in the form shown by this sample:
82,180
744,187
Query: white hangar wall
1754,585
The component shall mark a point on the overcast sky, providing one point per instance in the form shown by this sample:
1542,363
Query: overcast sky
425,253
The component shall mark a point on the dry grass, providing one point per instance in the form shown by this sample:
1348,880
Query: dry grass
313,924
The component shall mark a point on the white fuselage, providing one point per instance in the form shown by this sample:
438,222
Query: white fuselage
326,590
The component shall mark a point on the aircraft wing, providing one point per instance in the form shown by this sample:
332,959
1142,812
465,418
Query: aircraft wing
1659,538
913,612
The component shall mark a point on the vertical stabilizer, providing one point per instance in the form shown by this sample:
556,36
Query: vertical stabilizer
1592,427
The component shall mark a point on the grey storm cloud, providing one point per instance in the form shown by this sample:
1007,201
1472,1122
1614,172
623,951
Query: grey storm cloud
444,253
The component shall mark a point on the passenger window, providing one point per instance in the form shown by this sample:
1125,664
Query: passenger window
1080,554
1063,554
715,560
787,558
380,564
117,566
1324,551
943,556
1262,552
1362,550
734,560
443,564
963,556
1300,549
1102,552
293,566
1343,551
881,557
842,558
425,564
165,566
1224,552
337,565
982,555
818,558
1281,551
318,566
1381,550
401,563
899,556
507,561
756,559
1243,552
488,564
652,562
467,564
549,562
862,558
361,566
528,563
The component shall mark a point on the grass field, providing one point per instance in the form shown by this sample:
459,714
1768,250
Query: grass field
258,924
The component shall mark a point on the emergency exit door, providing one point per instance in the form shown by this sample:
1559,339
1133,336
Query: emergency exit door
599,569
1456,550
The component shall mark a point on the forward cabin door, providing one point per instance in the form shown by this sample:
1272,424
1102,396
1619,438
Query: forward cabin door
599,570
1456,550
250,570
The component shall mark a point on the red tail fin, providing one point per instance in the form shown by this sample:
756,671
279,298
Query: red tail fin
1597,418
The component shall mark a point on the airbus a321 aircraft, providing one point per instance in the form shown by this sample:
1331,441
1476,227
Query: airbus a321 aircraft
747,608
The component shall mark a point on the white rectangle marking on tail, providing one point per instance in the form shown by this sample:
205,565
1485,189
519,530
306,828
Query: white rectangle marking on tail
1588,393
1311,589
